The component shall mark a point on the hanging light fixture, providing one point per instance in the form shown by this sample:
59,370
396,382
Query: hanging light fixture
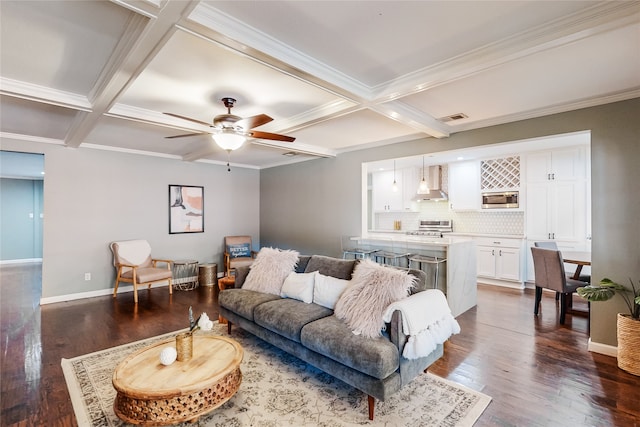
395,184
228,139
424,187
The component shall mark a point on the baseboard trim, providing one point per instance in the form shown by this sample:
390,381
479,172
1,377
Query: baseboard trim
20,261
606,349
92,294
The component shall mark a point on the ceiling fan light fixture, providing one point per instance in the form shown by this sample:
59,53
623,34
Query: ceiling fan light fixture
229,140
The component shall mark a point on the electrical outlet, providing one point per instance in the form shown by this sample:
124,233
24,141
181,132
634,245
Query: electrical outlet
87,276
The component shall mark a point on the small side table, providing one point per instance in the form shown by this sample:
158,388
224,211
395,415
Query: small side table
185,274
224,283
207,274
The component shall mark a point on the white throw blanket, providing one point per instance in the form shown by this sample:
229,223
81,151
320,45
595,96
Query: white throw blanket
426,319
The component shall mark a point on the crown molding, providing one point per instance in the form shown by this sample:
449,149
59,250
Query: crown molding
47,95
554,109
31,138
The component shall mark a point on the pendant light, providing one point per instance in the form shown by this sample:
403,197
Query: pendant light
424,187
395,184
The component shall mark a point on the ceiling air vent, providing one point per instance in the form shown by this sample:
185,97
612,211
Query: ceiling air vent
457,116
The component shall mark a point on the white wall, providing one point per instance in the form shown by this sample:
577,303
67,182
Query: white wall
93,197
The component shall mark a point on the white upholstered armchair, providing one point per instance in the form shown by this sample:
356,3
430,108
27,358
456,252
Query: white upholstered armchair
133,262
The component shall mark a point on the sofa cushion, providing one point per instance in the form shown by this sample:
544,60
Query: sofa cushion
339,268
243,301
331,337
286,317
303,260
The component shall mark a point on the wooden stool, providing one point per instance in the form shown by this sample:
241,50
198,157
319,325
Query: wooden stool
224,283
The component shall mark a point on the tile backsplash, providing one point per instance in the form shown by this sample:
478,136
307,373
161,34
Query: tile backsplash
490,222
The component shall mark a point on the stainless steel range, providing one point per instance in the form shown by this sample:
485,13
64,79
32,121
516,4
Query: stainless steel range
433,228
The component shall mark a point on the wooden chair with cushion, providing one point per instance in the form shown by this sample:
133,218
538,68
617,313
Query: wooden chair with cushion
550,274
238,252
133,262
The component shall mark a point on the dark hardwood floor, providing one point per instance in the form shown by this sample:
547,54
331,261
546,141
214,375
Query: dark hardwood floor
537,372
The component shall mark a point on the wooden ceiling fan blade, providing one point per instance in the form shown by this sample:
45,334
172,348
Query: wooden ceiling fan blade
253,121
184,135
188,118
273,136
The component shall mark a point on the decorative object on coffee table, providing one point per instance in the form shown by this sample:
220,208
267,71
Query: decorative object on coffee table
149,393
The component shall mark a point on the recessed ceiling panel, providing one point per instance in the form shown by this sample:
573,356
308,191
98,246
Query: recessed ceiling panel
377,41
598,66
351,130
59,44
31,118
190,76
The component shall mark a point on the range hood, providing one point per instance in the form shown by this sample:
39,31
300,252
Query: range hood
435,193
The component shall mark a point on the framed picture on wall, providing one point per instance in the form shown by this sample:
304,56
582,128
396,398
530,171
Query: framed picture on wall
186,209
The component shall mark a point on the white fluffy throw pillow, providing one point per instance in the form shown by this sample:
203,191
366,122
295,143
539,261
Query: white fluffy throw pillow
299,286
269,270
373,288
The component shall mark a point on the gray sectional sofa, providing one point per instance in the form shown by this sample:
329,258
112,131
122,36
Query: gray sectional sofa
312,333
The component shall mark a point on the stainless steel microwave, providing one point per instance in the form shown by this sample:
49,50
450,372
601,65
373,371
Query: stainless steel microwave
501,200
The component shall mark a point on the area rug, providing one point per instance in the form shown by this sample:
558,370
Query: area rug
280,390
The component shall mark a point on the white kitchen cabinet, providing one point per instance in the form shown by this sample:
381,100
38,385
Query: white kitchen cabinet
500,261
464,186
387,200
556,201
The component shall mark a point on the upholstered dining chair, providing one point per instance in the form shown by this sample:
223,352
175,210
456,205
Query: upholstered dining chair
133,262
554,246
238,252
550,274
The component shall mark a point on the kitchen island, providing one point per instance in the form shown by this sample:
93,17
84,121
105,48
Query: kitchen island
458,278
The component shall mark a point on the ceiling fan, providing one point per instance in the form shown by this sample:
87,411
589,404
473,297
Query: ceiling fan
230,131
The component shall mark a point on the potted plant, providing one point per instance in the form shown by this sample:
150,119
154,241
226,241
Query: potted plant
628,324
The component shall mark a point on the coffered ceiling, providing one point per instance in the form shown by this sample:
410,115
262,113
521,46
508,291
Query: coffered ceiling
337,76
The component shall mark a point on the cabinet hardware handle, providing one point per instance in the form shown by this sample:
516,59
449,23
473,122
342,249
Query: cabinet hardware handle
500,252
553,176
548,177
493,252
496,243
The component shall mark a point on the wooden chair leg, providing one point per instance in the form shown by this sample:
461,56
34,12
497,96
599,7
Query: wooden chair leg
228,328
115,290
135,292
170,287
372,406
536,304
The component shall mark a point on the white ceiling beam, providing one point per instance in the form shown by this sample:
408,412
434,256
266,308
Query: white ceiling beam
412,117
145,38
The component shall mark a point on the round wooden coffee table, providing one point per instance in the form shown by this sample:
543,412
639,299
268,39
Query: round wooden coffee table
150,393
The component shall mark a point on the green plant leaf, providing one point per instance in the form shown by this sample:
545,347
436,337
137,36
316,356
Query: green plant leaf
596,293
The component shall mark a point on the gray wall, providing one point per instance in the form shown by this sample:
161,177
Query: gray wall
20,221
308,206
93,197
